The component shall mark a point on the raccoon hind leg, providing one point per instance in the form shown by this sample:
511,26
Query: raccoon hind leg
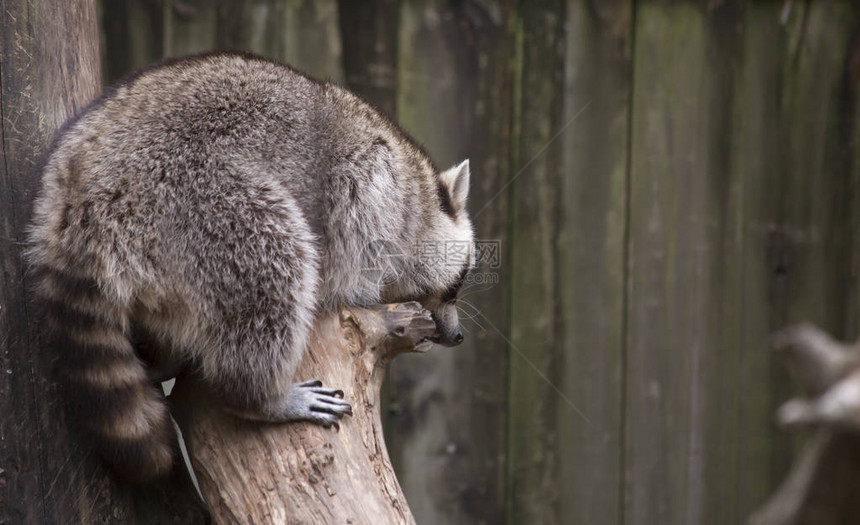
258,303
261,388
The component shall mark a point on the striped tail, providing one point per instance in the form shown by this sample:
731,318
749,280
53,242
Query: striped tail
109,394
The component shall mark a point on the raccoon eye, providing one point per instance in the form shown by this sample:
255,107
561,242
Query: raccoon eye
452,291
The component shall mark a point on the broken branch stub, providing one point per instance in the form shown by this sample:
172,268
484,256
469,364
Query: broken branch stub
824,483
301,473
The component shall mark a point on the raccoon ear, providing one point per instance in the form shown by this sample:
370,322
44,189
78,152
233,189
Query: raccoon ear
456,182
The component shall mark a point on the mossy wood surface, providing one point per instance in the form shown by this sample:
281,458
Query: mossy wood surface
670,183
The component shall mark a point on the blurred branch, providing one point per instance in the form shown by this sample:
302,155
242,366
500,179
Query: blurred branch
824,482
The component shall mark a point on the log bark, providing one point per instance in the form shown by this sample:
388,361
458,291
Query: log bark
824,483
302,473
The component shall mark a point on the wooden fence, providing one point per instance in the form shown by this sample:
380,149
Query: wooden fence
669,182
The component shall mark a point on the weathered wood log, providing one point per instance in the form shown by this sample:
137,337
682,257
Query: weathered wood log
824,483
302,473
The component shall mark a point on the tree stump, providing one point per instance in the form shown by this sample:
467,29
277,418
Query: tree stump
250,472
823,487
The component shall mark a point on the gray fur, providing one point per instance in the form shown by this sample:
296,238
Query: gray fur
218,204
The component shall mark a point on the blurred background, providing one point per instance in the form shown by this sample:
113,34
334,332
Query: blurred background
669,182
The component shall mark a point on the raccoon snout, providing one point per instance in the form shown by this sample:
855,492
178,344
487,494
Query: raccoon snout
447,321
453,340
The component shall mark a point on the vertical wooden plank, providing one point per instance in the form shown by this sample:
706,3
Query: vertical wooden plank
132,35
721,313
666,89
254,25
684,280
851,100
189,27
302,33
454,89
793,153
536,355
760,164
313,42
369,33
814,106
591,246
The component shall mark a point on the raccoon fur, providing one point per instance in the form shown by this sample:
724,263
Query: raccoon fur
200,216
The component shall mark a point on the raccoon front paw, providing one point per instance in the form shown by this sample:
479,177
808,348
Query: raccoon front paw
308,401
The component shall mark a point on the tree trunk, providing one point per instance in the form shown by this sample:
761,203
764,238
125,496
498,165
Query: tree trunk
49,71
302,473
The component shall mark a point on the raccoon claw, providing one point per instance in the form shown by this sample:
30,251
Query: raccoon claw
336,393
324,420
308,401
332,406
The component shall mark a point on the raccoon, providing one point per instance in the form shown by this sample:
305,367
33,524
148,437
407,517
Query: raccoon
200,216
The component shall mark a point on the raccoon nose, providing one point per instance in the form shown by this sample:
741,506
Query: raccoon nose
458,338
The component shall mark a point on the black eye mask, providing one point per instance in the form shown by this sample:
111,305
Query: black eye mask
454,289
